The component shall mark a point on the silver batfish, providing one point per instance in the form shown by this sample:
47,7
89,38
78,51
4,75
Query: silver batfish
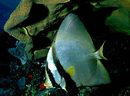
75,51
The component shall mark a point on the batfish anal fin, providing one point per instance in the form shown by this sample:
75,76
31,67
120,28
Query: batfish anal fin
101,75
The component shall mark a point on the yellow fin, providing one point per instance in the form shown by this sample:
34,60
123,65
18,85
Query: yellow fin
71,71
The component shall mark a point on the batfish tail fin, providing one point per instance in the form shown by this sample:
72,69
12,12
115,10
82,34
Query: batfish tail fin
99,53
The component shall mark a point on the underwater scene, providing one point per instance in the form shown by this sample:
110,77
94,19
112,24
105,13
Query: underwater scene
64,47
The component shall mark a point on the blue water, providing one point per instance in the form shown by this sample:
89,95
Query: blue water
6,7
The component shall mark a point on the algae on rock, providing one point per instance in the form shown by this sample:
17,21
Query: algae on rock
32,17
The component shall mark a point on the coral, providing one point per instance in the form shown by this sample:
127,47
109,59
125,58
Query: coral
19,52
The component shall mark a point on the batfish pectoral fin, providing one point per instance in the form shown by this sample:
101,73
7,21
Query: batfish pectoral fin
71,71
99,54
101,76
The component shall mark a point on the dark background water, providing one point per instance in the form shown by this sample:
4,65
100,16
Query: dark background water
6,7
